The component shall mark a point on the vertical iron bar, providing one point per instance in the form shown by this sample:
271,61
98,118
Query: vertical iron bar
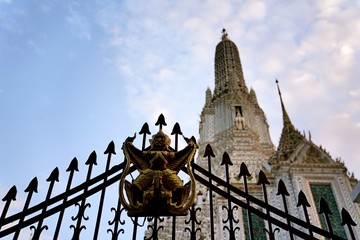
324,208
244,172
302,201
144,131
283,192
263,181
308,220
193,231
287,217
230,213
155,230
226,161
210,196
30,189
176,131
109,151
77,229
72,168
116,226
54,176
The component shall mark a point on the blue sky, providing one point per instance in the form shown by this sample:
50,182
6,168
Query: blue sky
76,75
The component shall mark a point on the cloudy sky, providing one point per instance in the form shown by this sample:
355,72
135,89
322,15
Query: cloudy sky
76,75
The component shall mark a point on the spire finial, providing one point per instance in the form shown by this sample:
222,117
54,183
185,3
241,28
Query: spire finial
287,122
224,34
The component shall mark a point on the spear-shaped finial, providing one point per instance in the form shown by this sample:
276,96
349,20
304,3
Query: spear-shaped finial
244,171
208,151
161,121
226,159
347,220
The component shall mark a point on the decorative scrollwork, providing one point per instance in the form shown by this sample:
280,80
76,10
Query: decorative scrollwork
116,221
37,232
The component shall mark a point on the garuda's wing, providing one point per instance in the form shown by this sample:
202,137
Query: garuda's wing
135,156
183,156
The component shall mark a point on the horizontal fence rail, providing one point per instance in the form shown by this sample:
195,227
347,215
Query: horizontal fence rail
76,197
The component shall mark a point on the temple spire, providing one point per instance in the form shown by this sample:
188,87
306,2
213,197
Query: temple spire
286,119
290,137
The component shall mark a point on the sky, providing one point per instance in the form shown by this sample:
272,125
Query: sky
76,75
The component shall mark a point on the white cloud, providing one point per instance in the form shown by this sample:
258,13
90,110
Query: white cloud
310,47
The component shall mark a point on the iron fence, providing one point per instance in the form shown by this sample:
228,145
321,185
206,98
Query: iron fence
77,197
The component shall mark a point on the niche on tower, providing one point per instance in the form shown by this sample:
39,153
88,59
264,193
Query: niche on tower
239,118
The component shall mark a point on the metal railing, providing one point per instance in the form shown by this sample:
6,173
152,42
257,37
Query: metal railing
76,197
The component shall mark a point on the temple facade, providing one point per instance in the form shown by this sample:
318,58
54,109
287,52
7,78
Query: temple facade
233,121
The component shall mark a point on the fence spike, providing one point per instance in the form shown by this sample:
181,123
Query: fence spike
161,121
226,159
176,129
302,200
110,148
54,175
145,129
324,207
92,159
208,151
244,171
11,194
282,189
262,178
347,219
33,185
73,166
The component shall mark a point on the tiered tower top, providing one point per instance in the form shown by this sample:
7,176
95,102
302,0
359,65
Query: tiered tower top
229,76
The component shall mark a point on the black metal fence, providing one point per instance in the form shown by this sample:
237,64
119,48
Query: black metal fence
52,214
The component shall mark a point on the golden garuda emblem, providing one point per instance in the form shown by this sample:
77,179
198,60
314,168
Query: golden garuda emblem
157,190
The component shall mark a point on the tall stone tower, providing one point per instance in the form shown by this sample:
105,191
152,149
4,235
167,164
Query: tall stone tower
232,121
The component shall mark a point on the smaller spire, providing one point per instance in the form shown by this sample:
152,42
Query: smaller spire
286,118
290,137
224,34
208,97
